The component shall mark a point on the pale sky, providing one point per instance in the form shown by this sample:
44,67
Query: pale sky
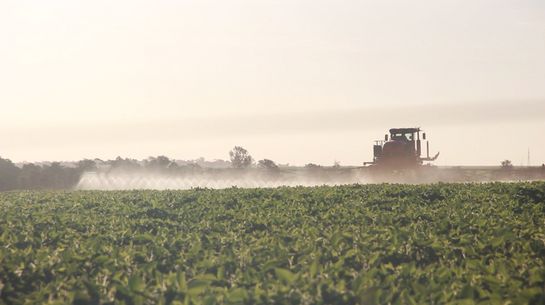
294,81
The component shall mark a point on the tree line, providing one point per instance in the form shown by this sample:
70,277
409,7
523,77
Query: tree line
38,176
57,175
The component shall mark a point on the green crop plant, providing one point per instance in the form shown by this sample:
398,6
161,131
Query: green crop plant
359,244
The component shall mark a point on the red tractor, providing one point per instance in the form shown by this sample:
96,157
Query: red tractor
401,150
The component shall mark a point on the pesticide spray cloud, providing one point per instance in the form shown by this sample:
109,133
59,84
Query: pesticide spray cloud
218,179
256,178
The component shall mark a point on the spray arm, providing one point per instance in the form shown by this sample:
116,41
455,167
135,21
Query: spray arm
428,153
431,159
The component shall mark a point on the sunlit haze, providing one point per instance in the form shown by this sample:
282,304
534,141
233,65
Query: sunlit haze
293,81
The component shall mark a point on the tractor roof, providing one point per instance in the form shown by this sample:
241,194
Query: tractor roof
404,130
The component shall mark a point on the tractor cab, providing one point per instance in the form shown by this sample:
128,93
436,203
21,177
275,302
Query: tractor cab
404,134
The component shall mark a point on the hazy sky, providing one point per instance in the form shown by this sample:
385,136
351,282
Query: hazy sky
294,81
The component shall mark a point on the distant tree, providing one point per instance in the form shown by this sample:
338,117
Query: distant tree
30,177
9,175
190,167
87,165
336,164
161,163
267,164
240,158
506,164
120,163
55,176
312,166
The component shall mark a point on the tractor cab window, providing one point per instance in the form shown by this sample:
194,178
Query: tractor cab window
399,136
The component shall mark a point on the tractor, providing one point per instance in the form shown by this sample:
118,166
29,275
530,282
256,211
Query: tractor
402,149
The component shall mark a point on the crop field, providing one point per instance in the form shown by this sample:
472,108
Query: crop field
359,244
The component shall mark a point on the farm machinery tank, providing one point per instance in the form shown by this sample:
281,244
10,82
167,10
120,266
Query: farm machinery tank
401,149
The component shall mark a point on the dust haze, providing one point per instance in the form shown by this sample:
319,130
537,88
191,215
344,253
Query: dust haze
295,137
